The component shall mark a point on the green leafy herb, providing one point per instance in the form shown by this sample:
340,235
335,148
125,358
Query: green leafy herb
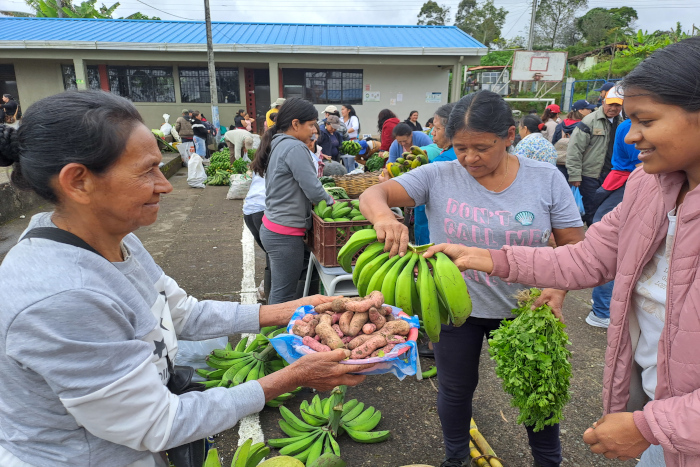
374,164
533,361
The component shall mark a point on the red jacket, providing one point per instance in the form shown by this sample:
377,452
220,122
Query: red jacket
618,247
387,130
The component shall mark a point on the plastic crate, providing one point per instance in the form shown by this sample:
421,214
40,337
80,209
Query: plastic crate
327,238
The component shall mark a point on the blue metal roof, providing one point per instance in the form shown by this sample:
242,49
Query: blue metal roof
193,32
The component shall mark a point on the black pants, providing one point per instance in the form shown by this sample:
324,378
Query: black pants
588,188
457,359
253,222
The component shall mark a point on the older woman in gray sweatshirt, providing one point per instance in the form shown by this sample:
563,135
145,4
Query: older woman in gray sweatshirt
292,187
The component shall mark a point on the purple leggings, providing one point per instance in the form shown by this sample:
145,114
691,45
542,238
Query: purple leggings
457,359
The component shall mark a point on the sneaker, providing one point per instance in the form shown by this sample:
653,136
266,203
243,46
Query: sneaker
597,322
454,463
425,351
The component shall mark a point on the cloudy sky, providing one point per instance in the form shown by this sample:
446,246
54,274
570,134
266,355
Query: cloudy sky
653,14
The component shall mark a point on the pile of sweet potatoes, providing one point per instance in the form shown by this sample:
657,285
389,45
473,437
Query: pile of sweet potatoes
360,324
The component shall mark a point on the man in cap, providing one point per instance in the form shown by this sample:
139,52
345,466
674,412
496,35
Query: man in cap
333,110
589,155
274,108
183,127
603,90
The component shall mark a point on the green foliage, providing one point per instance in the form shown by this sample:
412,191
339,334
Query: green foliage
497,58
87,9
484,22
621,67
239,166
374,163
432,14
532,360
554,22
139,15
599,26
643,44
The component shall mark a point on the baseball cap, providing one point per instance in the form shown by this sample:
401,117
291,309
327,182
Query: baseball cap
330,109
278,102
614,96
605,87
364,147
185,111
333,121
248,142
582,104
554,108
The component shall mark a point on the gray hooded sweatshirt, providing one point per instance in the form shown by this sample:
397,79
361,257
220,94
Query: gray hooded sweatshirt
82,356
291,183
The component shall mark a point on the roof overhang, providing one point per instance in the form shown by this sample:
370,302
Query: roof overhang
242,48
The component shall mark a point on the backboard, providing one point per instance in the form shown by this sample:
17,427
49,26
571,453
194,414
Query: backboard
538,65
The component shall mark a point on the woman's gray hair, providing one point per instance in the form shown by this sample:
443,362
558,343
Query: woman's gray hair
444,112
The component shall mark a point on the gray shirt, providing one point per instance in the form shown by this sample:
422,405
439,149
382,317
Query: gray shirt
83,356
292,184
462,211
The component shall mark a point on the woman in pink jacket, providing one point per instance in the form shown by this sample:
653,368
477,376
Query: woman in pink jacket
650,245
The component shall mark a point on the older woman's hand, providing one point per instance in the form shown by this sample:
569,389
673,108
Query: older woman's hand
393,233
321,371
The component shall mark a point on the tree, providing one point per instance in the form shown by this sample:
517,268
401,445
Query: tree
483,22
50,9
432,14
553,17
599,25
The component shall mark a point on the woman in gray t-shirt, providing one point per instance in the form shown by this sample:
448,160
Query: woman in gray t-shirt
486,198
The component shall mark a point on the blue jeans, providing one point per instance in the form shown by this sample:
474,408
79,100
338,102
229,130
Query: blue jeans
200,146
588,188
652,457
601,299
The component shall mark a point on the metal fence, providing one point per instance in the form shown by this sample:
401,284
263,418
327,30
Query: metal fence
585,87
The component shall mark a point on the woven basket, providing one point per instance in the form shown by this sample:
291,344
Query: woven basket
354,185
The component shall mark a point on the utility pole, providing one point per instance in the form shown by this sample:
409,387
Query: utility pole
213,92
531,37
59,8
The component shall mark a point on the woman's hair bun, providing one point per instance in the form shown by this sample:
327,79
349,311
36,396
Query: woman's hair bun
541,126
9,145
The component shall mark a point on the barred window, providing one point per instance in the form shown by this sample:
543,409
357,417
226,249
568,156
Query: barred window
194,85
323,86
93,77
142,84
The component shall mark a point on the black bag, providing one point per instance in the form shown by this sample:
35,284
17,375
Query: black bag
191,454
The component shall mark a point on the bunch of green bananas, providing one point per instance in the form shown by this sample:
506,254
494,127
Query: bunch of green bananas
247,455
324,420
218,161
438,296
408,160
219,177
342,211
351,148
250,359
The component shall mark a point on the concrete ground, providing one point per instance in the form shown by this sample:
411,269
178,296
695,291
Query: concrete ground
197,241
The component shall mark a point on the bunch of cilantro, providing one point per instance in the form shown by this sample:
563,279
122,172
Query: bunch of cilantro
533,361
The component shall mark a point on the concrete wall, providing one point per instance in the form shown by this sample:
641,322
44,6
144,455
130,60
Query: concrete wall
37,79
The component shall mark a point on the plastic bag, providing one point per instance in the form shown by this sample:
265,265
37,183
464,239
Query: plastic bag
579,199
240,184
166,127
194,353
401,361
186,150
196,176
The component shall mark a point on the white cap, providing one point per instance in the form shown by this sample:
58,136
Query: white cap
615,96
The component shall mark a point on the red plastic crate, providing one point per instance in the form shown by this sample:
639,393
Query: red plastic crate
327,238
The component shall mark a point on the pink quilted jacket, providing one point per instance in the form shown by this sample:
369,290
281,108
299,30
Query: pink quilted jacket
618,248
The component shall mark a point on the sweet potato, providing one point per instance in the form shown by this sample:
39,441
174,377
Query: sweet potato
324,308
318,338
394,339
359,320
384,310
314,345
398,326
303,329
336,328
358,341
386,349
369,328
344,321
346,339
365,350
328,334
390,317
376,318
336,317
308,318
375,299
339,305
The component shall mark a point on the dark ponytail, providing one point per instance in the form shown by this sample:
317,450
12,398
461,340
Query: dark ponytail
482,111
670,75
533,123
292,109
547,115
90,128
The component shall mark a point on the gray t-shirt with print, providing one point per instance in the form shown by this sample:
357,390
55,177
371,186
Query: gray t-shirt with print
462,211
